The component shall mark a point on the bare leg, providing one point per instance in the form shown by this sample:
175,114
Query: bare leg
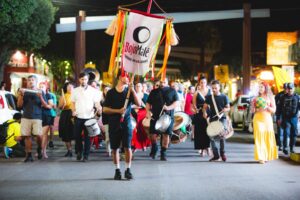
45,140
128,156
116,158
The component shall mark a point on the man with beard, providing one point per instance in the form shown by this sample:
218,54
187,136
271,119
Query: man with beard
163,98
85,99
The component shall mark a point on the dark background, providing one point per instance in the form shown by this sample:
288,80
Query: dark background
285,16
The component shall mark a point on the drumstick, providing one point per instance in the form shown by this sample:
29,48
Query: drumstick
162,110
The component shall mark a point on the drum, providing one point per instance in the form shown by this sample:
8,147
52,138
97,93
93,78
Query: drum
182,122
92,127
214,128
178,136
163,123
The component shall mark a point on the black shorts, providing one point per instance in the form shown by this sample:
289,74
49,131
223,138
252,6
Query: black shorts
169,131
120,136
47,120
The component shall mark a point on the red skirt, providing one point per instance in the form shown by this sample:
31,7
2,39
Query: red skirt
140,138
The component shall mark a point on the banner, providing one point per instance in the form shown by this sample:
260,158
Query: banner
281,77
141,40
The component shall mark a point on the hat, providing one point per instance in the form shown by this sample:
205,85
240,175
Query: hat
290,86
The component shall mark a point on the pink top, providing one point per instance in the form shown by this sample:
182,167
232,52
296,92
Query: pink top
188,104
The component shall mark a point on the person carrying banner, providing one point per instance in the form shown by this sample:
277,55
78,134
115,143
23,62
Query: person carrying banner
120,129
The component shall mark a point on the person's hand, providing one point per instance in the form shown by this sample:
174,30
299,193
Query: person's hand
74,114
166,107
21,91
204,115
278,122
122,110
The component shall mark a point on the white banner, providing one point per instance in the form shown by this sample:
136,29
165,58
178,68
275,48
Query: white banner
141,37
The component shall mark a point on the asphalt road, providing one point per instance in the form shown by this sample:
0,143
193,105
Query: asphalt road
184,176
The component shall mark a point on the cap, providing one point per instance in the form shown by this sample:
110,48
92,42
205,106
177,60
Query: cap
285,85
290,86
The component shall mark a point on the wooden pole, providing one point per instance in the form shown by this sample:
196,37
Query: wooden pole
80,51
247,48
149,6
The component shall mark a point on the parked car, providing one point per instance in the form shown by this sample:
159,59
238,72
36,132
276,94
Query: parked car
7,106
237,109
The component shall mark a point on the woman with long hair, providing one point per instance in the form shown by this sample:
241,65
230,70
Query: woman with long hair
263,106
201,139
66,124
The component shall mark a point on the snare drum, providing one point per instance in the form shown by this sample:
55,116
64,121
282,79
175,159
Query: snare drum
92,127
214,128
182,122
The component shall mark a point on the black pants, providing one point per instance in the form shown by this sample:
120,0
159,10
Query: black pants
78,128
18,151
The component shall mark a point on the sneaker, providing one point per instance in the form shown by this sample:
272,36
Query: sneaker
292,151
85,158
214,159
279,148
285,152
128,174
223,157
118,175
7,152
51,145
28,159
79,156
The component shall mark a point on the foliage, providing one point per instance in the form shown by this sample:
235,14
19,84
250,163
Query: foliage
61,70
15,12
25,25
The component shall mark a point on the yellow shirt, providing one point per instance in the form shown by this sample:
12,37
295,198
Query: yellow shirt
68,101
15,129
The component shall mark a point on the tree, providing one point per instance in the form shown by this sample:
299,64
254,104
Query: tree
208,39
25,25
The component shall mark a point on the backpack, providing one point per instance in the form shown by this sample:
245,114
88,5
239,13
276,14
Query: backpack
3,132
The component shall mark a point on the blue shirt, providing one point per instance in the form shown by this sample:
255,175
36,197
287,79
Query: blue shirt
32,106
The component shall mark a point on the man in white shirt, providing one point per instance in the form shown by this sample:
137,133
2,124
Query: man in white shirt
85,103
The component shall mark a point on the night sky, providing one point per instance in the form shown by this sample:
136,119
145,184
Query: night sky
285,16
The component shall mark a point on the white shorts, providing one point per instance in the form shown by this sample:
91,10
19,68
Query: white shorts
31,126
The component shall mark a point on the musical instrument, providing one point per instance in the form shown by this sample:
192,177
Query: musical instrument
92,127
181,120
163,123
214,128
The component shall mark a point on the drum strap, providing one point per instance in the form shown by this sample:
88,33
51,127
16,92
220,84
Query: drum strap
215,106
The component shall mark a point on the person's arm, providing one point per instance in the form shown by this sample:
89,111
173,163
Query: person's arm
148,110
272,107
20,101
62,103
45,104
136,99
204,108
109,111
172,106
194,102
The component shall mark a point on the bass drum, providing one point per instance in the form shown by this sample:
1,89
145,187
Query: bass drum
215,128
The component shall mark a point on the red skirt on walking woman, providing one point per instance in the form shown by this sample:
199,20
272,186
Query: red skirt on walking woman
140,138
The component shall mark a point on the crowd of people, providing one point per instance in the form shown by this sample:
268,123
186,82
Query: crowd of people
120,112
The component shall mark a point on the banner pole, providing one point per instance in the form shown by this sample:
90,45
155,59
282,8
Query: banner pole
149,6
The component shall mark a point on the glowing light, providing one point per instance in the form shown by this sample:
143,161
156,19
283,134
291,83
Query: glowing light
266,75
18,55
